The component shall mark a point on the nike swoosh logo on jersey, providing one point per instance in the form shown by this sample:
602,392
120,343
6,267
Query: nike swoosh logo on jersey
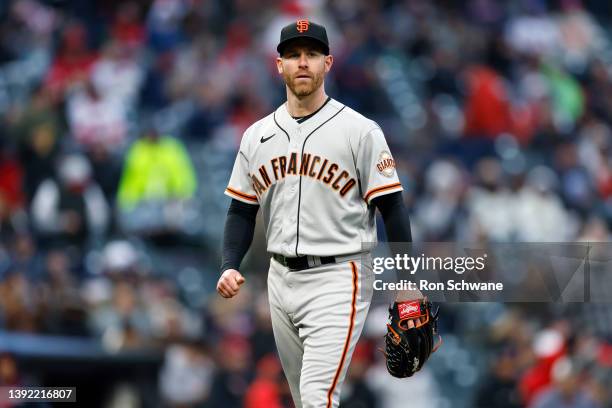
265,139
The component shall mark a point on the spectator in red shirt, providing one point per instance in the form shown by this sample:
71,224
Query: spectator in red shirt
127,27
72,63
11,179
487,109
549,346
12,198
265,390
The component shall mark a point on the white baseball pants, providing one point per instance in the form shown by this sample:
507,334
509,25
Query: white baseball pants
317,318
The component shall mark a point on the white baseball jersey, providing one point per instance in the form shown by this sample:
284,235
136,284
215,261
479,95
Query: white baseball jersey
315,180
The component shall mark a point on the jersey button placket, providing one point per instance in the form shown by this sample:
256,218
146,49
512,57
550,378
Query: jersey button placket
297,140
295,185
295,188
291,197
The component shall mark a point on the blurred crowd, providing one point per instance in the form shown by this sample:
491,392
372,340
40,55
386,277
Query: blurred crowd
552,366
120,121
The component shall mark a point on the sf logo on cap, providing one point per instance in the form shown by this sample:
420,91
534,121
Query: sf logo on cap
302,25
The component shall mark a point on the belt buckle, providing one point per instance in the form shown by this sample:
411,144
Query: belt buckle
300,262
313,261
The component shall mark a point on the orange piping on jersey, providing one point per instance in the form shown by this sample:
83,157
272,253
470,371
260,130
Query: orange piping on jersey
380,189
347,342
242,195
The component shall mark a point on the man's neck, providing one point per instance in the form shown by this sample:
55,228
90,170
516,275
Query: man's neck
299,107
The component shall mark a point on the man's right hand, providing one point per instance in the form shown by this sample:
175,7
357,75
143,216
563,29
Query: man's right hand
229,283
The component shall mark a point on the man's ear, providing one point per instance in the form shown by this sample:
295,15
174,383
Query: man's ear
279,65
329,61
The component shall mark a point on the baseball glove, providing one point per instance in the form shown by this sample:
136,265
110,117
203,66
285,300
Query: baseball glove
407,349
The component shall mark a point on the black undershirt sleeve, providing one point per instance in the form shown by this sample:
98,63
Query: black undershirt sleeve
238,233
397,225
395,215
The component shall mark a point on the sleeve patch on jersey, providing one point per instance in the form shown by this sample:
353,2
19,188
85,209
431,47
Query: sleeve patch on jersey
385,164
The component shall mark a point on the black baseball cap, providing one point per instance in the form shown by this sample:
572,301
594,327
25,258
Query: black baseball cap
303,29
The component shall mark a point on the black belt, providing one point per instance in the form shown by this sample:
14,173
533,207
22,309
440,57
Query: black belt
303,262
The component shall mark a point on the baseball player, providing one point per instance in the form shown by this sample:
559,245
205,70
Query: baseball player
318,170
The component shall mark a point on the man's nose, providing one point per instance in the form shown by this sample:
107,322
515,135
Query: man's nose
303,60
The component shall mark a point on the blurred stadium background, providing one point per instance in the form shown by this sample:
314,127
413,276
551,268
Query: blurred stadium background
119,126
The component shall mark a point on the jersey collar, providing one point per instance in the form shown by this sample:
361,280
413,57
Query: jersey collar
305,118
285,120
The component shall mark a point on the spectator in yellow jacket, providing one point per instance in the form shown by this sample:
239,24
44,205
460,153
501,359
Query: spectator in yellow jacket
157,168
158,177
